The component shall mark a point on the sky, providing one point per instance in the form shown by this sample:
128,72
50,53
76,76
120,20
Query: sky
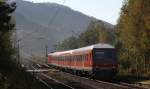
107,10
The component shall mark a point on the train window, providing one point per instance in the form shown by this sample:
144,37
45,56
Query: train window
83,57
74,58
64,58
86,57
68,58
106,54
77,57
99,54
80,58
71,58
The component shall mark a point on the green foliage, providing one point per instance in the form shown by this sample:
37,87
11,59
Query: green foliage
67,44
95,33
91,36
6,29
134,37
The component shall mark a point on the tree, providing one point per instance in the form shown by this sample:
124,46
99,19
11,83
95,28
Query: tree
68,44
134,35
90,36
96,33
104,36
6,29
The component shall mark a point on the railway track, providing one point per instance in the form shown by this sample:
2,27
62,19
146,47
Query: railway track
45,79
53,83
97,84
133,86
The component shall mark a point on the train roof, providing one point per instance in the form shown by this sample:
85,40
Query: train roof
100,45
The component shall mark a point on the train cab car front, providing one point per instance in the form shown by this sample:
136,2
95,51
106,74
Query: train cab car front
104,63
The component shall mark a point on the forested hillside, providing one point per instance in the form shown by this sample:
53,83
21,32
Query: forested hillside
41,24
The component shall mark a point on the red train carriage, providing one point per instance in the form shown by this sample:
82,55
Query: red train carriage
98,60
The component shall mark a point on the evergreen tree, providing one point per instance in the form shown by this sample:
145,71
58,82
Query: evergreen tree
6,29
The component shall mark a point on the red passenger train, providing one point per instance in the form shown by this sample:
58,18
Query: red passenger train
97,60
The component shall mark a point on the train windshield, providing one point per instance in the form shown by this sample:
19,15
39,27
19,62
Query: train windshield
104,54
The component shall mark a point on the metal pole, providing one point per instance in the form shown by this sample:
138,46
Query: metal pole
18,47
46,53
